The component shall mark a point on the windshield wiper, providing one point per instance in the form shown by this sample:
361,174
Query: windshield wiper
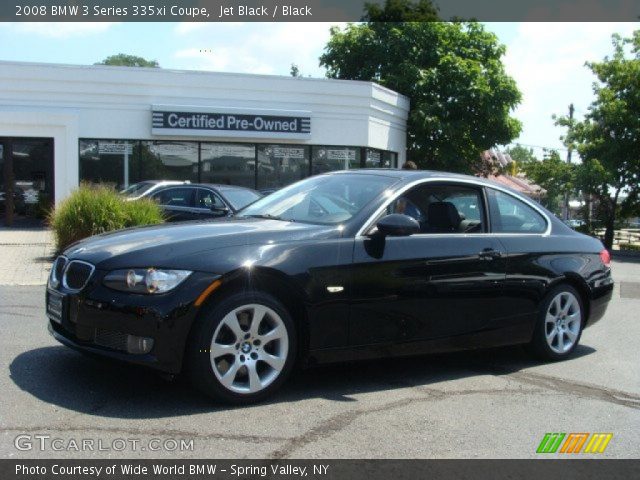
268,216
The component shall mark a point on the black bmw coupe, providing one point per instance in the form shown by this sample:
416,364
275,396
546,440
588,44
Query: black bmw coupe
341,266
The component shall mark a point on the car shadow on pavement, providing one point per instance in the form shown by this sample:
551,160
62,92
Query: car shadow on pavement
104,388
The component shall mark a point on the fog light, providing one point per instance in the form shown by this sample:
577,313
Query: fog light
139,345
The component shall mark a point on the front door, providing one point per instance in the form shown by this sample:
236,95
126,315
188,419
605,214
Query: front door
26,179
178,203
445,281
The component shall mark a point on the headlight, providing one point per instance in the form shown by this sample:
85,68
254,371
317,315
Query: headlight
145,280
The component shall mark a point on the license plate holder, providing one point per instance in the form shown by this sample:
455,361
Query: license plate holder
56,310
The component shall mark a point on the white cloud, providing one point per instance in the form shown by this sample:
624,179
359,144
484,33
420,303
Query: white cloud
59,29
268,48
547,61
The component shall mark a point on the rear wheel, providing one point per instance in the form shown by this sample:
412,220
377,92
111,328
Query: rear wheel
243,349
560,323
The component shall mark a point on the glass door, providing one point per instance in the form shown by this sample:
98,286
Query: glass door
27,181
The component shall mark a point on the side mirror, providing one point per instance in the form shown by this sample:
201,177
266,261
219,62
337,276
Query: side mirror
398,225
221,211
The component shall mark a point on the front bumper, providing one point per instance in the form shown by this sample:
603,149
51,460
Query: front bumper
99,320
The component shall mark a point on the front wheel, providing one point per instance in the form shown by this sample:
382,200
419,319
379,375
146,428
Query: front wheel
243,349
559,325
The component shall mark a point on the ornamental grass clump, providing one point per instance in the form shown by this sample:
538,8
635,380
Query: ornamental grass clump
94,209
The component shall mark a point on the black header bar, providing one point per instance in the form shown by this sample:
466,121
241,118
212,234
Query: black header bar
307,10
282,469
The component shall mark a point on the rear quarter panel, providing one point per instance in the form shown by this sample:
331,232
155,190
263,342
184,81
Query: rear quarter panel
537,263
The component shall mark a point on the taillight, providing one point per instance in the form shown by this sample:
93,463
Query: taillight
605,257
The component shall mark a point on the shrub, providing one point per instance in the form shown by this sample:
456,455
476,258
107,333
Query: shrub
142,212
91,210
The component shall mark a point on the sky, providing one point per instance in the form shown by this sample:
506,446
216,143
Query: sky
546,59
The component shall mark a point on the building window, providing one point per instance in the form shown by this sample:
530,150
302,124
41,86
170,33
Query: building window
389,160
121,163
280,165
228,164
373,158
165,160
326,159
104,161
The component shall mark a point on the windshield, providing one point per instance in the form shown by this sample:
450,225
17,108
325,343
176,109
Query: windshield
325,199
137,189
239,197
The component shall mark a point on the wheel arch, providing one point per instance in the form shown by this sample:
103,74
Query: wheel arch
580,285
265,280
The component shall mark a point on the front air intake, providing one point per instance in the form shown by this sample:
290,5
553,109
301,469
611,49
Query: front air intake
77,275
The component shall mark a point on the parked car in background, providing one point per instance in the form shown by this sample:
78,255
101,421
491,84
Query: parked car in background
147,187
332,268
199,201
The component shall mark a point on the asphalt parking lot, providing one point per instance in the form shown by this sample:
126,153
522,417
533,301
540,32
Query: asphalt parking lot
486,404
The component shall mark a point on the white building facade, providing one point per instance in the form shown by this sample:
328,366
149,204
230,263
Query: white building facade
65,124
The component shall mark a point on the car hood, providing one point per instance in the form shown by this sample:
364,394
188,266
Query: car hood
164,245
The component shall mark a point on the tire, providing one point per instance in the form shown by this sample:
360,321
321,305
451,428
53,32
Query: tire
559,325
235,360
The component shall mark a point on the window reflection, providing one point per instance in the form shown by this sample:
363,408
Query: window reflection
102,161
280,165
228,164
327,159
162,160
121,163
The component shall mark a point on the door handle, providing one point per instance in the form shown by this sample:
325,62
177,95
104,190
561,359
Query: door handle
489,254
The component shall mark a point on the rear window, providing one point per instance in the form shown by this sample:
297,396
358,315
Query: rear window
240,198
511,215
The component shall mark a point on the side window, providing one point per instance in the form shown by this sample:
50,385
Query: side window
511,215
443,208
175,197
208,199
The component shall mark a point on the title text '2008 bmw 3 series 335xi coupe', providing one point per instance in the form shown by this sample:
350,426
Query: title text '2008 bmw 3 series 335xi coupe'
337,267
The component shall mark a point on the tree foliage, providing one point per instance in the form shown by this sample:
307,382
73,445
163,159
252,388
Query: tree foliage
608,139
554,175
124,60
295,70
521,155
460,95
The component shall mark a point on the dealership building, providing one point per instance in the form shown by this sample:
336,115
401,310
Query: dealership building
63,124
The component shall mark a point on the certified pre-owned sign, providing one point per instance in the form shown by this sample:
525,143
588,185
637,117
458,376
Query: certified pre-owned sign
230,123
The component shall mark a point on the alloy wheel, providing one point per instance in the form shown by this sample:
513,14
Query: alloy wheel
249,348
563,322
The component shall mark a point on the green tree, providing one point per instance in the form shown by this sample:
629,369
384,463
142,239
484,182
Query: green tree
590,175
554,175
521,155
460,95
295,70
610,133
124,60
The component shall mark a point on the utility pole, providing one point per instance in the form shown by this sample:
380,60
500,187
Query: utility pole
566,195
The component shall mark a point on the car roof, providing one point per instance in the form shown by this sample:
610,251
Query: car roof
165,182
408,176
222,187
